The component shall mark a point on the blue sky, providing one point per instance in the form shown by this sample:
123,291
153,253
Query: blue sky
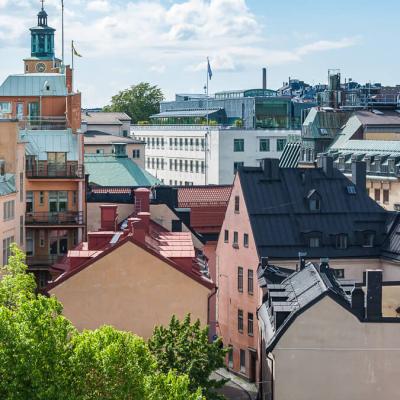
166,42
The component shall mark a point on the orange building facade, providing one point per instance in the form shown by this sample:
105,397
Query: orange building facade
48,111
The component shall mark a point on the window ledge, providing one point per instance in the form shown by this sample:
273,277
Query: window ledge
235,245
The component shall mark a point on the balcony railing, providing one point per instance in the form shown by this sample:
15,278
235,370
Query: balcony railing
42,261
43,123
54,218
45,170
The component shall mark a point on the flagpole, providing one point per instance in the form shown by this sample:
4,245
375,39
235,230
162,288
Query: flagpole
72,66
207,129
62,30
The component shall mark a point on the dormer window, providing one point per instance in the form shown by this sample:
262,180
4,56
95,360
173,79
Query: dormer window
341,241
368,239
314,242
314,201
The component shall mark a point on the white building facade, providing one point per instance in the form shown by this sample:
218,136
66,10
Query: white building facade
197,155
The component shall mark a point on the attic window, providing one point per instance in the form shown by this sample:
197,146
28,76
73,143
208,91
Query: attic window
323,131
368,239
351,190
314,204
314,242
341,241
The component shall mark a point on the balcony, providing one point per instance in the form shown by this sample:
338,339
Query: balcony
43,170
54,218
41,261
43,123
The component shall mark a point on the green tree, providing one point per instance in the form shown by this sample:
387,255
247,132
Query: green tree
184,347
139,101
43,357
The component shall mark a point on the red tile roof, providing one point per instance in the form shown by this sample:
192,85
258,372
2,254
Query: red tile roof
204,196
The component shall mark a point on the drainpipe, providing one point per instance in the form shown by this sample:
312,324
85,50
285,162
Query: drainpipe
208,304
272,376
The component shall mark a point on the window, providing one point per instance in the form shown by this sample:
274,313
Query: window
339,273
21,229
385,196
124,133
235,240
5,107
136,153
368,239
197,166
226,236
74,197
29,243
250,318
191,166
240,279
377,195
41,198
197,144
29,202
186,143
341,241
180,165
176,164
42,240
180,143
240,320
203,167
162,143
58,201
242,360
6,249
203,144
158,143
314,204
230,356
250,281
314,242
56,158
186,165
245,240
9,210
264,144
170,143
236,165
280,144
237,204
238,145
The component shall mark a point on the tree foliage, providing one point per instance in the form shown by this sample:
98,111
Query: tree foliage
43,357
184,348
139,102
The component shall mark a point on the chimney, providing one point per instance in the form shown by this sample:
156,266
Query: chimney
142,200
144,220
108,217
359,175
270,167
68,78
374,294
358,302
176,225
327,165
264,262
264,78
302,260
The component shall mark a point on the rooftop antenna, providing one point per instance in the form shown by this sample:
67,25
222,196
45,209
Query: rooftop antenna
62,30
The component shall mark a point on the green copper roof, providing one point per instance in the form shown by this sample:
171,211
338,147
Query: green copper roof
111,170
41,142
7,184
34,85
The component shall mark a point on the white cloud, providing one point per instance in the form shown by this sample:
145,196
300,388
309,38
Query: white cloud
98,5
159,69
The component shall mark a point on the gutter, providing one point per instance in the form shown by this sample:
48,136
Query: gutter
208,303
272,376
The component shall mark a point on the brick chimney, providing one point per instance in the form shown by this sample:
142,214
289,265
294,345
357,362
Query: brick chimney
68,78
108,217
142,200
140,226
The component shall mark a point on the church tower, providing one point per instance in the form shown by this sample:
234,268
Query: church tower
42,47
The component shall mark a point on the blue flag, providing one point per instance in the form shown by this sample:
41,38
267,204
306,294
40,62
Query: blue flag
209,69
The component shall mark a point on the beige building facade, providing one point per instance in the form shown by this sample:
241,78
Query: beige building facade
131,289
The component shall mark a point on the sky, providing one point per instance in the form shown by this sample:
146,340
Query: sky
167,42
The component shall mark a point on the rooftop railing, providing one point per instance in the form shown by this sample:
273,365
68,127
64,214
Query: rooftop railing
57,171
54,218
42,123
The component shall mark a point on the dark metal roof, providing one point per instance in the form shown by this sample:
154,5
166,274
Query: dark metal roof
291,155
282,221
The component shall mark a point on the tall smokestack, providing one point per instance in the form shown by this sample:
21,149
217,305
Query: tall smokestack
264,74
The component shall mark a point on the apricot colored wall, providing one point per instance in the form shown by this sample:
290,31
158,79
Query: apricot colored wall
132,290
229,299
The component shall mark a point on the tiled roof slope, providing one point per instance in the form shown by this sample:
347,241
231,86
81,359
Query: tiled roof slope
111,170
7,184
204,196
282,221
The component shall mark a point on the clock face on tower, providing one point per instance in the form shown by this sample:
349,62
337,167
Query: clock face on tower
40,67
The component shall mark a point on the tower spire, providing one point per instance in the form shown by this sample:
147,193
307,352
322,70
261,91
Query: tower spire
42,4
